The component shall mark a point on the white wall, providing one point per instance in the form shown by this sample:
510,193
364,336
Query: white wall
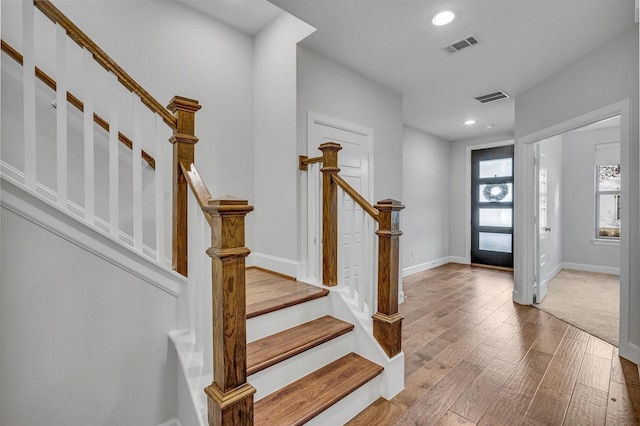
557,202
328,88
426,188
607,75
276,163
459,200
579,200
88,347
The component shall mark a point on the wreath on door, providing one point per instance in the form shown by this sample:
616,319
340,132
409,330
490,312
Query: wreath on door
496,191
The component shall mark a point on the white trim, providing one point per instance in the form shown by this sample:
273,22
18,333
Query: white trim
603,242
591,268
467,183
48,195
425,266
171,422
276,264
460,260
50,217
192,401
524,210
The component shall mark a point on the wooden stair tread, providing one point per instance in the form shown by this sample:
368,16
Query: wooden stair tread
265,352
268,293
304,399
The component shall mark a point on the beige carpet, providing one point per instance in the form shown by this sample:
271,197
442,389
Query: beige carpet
587,300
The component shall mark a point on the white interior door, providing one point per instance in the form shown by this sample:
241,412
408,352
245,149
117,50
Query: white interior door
540,282
354,245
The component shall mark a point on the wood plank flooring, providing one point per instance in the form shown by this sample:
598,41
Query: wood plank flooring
473,357
268,292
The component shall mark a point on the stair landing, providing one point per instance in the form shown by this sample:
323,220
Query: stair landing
268,292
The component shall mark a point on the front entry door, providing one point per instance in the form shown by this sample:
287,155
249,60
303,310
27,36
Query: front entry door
492,206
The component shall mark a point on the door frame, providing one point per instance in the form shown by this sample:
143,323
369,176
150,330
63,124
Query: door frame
312,204
525,209
467,191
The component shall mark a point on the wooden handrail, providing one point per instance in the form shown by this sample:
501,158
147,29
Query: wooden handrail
229,396
387,321
199,188
373,212
304,161
73,100
57,17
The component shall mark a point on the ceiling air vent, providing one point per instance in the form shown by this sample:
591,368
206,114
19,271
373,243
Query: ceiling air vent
461,44
491,97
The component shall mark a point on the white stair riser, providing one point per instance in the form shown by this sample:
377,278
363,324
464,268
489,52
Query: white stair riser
348,407
280,375
280,320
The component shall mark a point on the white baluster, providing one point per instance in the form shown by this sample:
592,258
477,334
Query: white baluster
205,283
373,264
114,159
89,171
341,252
61,114
317,222
159,187
137,173
361,283
29,95
313,211
194,291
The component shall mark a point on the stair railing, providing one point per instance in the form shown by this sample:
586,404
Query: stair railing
230,397
104,194
387,322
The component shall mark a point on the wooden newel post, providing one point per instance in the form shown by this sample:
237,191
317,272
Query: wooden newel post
230,397
329,213
387,322
183,141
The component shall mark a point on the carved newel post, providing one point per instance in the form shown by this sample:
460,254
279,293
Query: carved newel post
387,322
329,213
230,397
183,141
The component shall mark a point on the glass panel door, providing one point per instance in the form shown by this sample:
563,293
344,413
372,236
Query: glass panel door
492,206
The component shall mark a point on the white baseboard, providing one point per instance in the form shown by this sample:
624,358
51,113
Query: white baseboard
425,266
171,422
555,271
276,264
591,268
460,260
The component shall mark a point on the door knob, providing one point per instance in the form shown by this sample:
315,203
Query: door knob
546,228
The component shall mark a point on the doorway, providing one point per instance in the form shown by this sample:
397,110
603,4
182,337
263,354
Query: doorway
578,227
492,206
525,210
355,247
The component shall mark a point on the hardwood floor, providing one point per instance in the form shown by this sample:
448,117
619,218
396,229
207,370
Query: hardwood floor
473,357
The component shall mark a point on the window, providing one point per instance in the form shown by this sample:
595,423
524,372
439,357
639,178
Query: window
608,201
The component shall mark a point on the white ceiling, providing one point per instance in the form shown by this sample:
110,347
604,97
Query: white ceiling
393,42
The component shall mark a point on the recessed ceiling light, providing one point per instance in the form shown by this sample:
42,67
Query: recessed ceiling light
443,18
470,122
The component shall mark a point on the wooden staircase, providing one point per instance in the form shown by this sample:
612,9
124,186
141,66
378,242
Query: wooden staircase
301,399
